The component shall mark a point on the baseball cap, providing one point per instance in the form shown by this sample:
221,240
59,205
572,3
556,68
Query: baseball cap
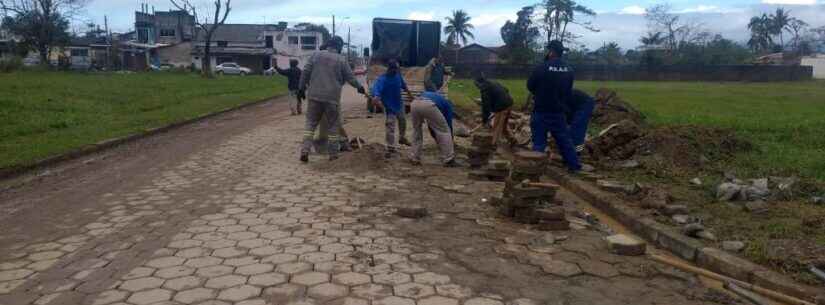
557,46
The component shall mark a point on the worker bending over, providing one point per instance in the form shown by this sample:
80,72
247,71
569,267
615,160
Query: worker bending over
495,99
551,83
437,112
387,91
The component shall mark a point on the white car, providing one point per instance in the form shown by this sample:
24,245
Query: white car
232,68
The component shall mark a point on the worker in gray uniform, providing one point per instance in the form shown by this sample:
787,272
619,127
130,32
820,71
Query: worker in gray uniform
324,76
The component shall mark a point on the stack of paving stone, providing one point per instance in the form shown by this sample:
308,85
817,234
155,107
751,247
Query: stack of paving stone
482,149
495,170
526,199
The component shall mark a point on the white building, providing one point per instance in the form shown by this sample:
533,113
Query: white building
295,43
818,63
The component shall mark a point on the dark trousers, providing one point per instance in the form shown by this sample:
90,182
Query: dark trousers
579,120
556,125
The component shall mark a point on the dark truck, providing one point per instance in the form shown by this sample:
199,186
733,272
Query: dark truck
413,43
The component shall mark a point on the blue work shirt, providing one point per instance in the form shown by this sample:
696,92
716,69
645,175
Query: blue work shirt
443,105
388,88
551,84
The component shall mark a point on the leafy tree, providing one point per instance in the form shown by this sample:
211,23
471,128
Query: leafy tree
208,27
40,24
609,54
459,28
520,37
558,14
797,28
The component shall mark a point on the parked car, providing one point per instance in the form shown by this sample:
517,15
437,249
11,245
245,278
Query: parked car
232,68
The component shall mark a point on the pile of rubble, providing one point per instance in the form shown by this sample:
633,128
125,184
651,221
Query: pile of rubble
529,201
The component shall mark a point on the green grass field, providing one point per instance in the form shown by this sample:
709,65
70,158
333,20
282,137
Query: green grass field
48,113
784,120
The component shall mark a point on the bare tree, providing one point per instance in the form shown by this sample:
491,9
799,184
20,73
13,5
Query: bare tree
45,18
661,19
221,12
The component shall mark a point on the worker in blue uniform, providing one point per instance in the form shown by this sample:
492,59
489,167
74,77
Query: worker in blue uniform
551,84
579,111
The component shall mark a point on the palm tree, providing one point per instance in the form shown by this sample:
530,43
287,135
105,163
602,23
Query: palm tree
652,39
458,28
779,22
558,14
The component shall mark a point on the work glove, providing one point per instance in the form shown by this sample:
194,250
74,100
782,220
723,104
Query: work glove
361,90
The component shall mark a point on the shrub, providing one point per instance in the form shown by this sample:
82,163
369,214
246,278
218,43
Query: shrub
11,64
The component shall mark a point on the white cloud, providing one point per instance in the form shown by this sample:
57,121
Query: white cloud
633,10
426,16
790,2
700,9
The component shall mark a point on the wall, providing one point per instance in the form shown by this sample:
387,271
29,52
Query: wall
817,63
664,73
179,55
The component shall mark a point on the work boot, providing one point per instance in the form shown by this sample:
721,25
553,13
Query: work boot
404,142
304,157
451,164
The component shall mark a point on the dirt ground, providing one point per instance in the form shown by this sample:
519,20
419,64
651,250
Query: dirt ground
222,213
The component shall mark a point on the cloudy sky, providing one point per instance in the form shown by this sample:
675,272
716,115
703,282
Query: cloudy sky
619,20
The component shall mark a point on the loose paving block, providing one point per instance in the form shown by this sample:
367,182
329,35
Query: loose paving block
625,245
560,268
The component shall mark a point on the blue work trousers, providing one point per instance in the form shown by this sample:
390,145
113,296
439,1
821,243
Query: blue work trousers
579,120
556,124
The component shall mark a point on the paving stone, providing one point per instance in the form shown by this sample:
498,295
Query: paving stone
310,278
394,301
252,302
625,245
254,269
561,268
348,301
351,278
229,252
285,293
280,258
391,278
317,257
201,262
214,271
431,278
268,279
454,291
372,291
389,258
437,300
183,283
150,297
163,262
140,284
483,301
241,261
239,293
110,296
520,302
414,290
599,269
293,268
173,272
8,286
300,249
253,243
14,274
193,252
46,255
195,295
226,281
14,264
327,291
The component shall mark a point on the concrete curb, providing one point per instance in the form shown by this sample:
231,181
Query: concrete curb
19,170
685,247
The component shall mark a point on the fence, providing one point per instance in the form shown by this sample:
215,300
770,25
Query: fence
746,73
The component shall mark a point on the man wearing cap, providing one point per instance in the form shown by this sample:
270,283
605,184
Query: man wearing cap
495,99
435,72
324,76
551,84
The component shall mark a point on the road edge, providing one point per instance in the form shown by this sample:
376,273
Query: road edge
12,172
677,243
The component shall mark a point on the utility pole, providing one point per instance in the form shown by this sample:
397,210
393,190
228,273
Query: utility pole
108,42
333,25
348,43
